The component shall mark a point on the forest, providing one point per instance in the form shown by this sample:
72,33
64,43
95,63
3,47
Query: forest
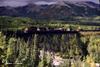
49,50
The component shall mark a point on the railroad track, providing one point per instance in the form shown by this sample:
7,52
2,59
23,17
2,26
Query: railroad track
90,32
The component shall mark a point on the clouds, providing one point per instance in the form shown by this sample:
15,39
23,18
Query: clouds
44,2
97,1
15,3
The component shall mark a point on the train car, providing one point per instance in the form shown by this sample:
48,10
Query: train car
79,29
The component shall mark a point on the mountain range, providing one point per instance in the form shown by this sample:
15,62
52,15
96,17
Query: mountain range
59,10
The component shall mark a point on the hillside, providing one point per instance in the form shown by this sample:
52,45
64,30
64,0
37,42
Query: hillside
63,11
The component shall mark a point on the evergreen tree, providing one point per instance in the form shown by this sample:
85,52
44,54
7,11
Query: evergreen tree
2,48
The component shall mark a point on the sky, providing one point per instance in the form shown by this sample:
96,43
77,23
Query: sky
15,3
